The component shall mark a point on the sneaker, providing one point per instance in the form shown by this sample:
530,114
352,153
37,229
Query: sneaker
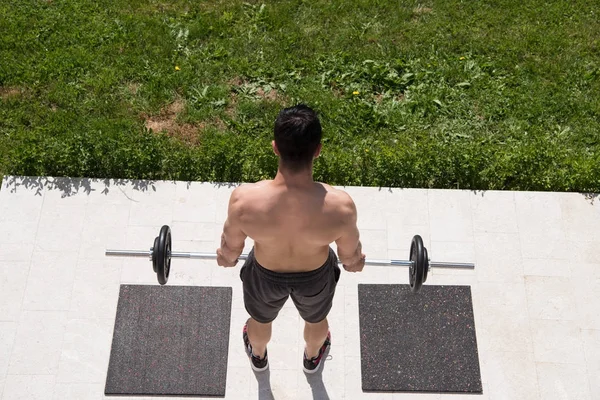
258,364
311,366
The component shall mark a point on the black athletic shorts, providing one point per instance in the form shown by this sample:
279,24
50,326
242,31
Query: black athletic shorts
266,291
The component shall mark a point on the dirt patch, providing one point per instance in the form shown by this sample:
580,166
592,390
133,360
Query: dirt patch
272,95
8,92
241,88
219,124
262,91
478,113
166,121
176,107
232,105
235,82
133,87
380,98
421,10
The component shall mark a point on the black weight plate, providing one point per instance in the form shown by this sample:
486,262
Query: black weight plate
412,270
163,255
426,268
168,263
154,266
417,256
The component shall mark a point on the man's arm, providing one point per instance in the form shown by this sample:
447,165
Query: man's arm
349,248
233,238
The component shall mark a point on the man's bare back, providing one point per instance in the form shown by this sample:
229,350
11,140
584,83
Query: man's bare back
292,227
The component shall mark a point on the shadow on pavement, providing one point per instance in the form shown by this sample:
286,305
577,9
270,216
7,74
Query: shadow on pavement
264,385
315,380
72,186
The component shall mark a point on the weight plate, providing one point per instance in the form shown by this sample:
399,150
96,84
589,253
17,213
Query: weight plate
168,264
426,268
163,255
154,266
417,256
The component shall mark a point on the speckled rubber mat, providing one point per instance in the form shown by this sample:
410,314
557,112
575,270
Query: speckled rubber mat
170,340
418,342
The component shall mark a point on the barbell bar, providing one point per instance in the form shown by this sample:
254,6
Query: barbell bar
244,256
161,254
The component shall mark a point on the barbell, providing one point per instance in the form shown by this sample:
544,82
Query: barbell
161,254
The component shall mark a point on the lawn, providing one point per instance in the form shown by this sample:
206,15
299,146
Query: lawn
498,94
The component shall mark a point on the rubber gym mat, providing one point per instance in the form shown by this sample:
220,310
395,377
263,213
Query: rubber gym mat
170,340
418,342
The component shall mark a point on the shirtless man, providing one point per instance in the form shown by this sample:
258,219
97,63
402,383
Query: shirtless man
292,220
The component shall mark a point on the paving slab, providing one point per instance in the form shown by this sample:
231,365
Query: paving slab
28,387
8,332
591,345
85,351
13,281
503,324
38,343
557,341
494,211
501,262
450,216
511,375
79,391
563,382
550,297
50,280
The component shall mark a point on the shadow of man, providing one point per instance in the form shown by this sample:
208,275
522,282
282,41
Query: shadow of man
315,380
264,385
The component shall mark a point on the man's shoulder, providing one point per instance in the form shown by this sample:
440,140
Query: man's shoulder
338,193
339,199
245,188
247,194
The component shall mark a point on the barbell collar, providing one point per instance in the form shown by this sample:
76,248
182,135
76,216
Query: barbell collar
128,253
452,265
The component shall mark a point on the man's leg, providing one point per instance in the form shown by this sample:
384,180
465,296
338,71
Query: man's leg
263,299
259,335
314,336
314,300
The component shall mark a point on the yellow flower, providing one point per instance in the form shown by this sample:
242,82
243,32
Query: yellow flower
356,92
462,58
177,68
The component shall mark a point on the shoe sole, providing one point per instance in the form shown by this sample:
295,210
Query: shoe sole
311,371
255,369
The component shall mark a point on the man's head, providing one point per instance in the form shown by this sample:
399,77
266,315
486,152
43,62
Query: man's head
297,137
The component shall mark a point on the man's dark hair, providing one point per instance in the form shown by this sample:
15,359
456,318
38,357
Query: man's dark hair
297,136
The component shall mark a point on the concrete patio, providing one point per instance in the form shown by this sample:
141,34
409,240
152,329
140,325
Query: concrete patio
535,287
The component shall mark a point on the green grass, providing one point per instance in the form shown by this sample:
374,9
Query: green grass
499,94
